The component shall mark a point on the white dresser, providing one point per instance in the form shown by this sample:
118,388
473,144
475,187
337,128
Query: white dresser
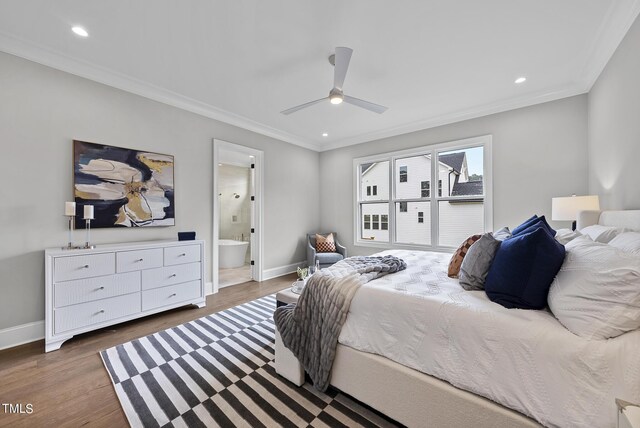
90,289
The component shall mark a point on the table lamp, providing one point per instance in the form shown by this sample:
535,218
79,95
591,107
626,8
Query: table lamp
566,208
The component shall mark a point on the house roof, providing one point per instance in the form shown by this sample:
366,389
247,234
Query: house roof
470,188
454,160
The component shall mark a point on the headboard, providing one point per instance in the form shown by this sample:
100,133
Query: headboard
625,218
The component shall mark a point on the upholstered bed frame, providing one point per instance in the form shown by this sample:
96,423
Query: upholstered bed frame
416,399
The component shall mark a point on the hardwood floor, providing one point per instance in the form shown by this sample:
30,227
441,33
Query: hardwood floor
70,387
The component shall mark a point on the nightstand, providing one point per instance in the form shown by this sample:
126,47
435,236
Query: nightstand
628,414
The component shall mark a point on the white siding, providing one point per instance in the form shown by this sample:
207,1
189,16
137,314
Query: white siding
376,175
459,221
379,210
408,230
418,169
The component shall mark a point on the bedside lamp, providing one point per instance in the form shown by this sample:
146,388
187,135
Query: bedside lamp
567,208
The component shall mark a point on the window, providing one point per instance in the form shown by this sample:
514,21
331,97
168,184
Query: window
368,190
425,190
402,212
403,174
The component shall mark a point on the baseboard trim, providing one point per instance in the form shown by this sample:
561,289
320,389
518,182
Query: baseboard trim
281,270
21,334
208,289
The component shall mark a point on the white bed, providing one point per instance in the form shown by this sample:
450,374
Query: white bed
432,362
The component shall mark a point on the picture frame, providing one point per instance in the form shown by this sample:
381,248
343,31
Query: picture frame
127,187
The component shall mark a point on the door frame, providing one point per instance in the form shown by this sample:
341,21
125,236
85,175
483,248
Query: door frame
257,241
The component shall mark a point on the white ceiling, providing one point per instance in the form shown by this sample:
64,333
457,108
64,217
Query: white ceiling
242,62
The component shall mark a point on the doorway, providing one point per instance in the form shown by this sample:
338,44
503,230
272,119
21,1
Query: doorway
237,214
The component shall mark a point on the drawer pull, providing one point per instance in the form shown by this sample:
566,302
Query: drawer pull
140,260
173,295
85,267
100,288
101,311
173,275
182,255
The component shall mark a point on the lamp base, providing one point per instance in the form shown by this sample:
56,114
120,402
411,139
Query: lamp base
70,246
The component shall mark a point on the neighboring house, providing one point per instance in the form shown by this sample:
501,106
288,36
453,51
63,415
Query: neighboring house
460,211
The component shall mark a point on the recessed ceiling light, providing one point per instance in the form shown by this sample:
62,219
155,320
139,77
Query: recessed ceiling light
521,80
324,134
80,31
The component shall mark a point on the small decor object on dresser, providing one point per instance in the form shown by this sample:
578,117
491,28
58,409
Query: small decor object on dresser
186,236
129,188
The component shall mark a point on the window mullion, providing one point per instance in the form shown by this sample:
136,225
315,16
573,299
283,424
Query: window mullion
392,198
434,200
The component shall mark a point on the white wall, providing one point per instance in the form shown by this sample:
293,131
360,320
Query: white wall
538,152
42,110
234,180
614,127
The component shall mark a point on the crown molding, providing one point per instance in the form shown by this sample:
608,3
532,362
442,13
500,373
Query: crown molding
459,116
614,28
54,59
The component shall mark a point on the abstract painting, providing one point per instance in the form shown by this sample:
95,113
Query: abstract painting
128,188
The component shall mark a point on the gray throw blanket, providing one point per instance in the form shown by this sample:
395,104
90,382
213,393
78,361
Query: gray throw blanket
310,328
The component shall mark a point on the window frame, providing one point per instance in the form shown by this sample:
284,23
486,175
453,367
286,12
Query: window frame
384,223
403,174
426,189
484,141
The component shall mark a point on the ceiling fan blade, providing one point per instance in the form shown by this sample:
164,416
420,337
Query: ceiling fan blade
376,108
301,106
342,58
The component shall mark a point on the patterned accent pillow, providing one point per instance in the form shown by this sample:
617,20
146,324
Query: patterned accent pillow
458,256
325,244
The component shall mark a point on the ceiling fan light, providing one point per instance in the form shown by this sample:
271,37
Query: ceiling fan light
335,99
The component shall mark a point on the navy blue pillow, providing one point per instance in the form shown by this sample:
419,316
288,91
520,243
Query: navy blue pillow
523,269
528,222
540,222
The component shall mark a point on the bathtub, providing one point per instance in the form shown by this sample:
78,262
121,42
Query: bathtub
231,253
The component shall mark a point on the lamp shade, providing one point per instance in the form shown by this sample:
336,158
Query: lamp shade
567,208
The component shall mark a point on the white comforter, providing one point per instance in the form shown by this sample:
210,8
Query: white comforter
522,359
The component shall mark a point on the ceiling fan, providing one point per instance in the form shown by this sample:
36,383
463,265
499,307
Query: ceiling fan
340,61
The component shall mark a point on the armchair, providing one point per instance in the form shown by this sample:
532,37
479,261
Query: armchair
325,259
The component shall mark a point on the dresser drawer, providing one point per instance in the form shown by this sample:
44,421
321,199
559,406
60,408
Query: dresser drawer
127,261
161,277
181,255
86,314
159,297
89,289
83,266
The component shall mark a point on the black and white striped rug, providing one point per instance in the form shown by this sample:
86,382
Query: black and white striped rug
218,371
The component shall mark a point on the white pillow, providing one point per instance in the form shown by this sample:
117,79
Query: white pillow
601,233
629,242
564,236
596,293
